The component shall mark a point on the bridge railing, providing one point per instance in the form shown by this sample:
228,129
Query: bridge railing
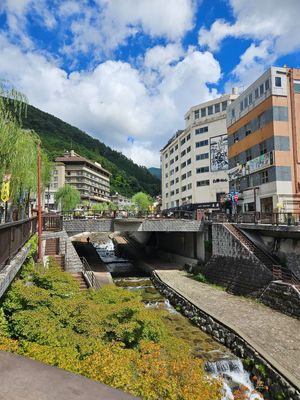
13,236
273,218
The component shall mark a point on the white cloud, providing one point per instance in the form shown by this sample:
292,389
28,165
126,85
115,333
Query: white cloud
113,101
111,23
273,25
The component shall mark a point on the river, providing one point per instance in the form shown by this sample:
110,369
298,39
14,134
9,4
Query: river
219,361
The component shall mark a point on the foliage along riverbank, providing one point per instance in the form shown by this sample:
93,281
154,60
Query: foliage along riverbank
106,335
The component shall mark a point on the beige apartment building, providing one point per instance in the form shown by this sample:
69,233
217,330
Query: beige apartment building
89,177
194,162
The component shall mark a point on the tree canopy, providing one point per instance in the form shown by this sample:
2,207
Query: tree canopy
142,201
68,197
19,148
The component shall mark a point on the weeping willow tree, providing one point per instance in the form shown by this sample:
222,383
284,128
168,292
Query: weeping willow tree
19,150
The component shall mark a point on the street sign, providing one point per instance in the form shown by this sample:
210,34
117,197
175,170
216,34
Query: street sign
5,191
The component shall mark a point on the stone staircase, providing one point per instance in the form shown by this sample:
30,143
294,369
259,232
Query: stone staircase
78,276
52,249
265,258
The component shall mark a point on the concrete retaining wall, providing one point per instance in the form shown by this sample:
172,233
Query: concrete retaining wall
283,297
278,386
9,272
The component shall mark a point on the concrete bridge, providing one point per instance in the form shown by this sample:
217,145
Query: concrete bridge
132,225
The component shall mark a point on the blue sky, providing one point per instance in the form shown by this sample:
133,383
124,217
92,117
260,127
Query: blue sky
126,71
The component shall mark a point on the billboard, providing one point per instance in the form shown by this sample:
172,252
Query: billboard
219,153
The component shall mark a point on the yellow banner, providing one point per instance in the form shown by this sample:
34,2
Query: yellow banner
5,191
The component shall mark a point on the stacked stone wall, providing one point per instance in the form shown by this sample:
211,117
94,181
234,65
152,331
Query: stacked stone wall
283,297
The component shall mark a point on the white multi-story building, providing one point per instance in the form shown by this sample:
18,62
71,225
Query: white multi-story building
194,162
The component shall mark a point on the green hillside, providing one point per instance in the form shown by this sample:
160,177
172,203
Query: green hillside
57,136
155,172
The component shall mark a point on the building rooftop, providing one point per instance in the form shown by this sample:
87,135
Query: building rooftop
72,157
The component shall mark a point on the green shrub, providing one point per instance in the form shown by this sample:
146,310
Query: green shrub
200,277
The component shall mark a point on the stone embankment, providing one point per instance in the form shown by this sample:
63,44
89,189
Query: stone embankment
283,297
281,383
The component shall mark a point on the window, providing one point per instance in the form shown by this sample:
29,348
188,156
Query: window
201,156
176,147
235,137
172,151
224,105
210,110
189,161
176,169
246,102
202,170
172,182
201,130
172,193
232,113
263,148
277,81
183,164
166,175
250,98
177,191
297,86
166,155
203,183
172,161
261,89
188,137
248,155
176,158
167,184
182,141
264,177
202,143
172,172
217,108
248,129
183,189
189,186
183,153
176,180
267,85
188,149
260,121
196,114
166,165
189,174
203,112
256,93
183,177
241,106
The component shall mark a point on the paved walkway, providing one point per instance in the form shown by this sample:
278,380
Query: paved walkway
274,335
25,379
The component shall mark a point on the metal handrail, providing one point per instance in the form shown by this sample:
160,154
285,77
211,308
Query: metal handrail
88,274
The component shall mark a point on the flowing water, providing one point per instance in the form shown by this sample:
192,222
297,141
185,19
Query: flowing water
219,361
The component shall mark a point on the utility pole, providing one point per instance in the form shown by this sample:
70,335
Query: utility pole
39,206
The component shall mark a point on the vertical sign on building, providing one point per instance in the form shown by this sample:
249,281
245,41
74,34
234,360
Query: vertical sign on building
218,153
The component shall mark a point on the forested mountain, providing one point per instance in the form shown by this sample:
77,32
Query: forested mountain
57,136
155,172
